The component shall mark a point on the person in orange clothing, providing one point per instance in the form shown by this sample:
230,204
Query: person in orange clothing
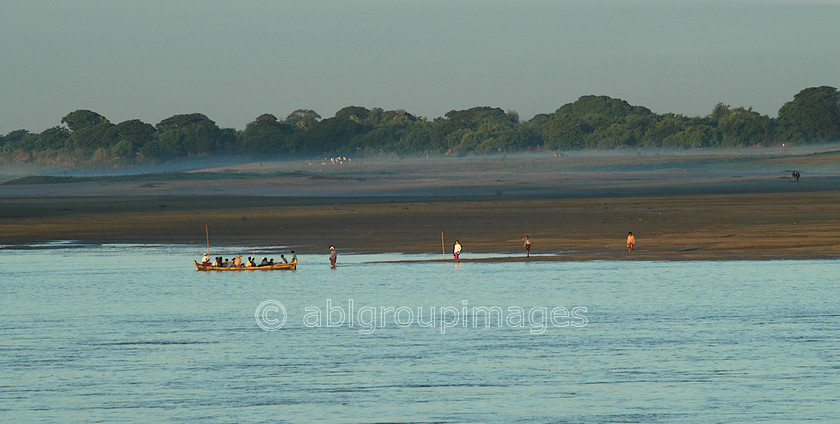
631,241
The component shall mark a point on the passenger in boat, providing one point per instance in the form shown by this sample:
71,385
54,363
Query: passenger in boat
226,264
333,256
264,261
271,262
294,256
218,261
205,260
283,258
250,262
237,261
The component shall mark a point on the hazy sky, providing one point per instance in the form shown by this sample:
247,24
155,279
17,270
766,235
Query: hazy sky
235,60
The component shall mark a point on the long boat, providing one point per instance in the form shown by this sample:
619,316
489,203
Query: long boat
274,267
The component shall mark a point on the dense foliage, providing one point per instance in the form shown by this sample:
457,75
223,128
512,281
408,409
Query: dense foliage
591,122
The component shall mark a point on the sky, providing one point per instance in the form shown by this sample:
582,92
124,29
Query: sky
236,60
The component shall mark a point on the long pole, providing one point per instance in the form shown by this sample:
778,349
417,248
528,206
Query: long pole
442,246
207,233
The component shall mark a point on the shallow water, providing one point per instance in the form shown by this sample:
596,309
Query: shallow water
133,333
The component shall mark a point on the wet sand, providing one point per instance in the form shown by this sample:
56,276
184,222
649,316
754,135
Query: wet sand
570,214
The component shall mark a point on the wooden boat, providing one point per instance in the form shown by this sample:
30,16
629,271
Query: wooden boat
277,266
273,267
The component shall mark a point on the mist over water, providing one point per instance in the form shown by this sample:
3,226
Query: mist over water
719,160
133,333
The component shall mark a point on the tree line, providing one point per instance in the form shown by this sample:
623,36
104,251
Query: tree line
591,122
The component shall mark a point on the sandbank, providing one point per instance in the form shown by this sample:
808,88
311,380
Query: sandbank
685,208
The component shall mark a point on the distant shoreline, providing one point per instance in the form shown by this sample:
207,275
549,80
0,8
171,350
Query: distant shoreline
680,208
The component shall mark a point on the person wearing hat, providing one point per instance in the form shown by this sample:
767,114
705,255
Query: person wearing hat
333,256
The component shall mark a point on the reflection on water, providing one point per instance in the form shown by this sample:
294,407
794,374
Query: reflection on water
133,332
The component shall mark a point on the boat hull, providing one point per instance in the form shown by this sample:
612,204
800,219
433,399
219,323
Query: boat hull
276,267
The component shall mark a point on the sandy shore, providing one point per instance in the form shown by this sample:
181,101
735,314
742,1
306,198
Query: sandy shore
578,214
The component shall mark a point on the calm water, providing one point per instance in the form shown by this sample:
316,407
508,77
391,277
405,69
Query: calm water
132,333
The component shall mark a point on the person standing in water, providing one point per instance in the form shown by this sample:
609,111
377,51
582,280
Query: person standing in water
333,256
456,251
631,241
527,247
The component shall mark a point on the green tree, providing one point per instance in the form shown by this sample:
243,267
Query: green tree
265,136
14,137
52,138
329,135
813,115
135,132
461,141
692,137
89,131
719,112
665,126
227,141
303,119
123,149
462,131
392,118
496,136
190,135
608,108
594,121
744,127
388,129
87,139
565,132
156,150
417,137
82,118
17,146
374,141
356,114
